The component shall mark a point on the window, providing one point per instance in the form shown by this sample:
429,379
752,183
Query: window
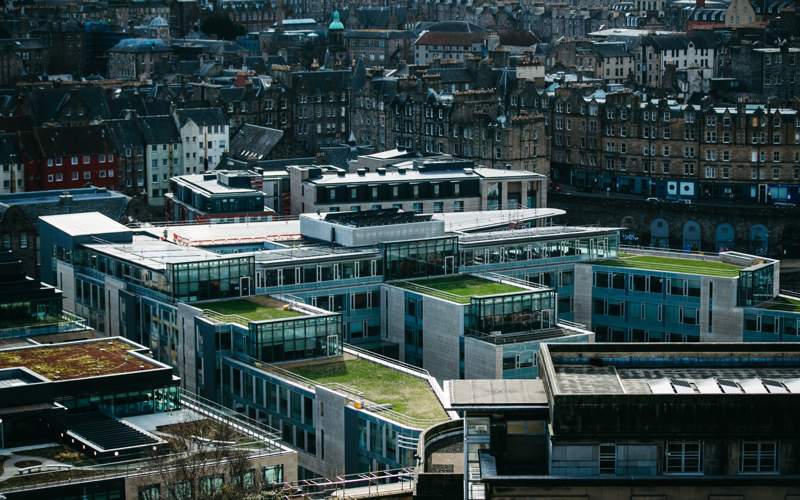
150,492
608,458
74,160
86,159
758,457
272,475
683,457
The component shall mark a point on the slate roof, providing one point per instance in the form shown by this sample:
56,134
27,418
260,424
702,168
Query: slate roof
518,38
253,142
124,133
59,141
455,27
47,104
203,117
159,129
380,17
34,204
449,38
9,148
321,81
610,49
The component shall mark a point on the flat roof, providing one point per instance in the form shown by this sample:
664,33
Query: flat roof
534,233
55,195
155,254
666,368
496,392
702,267
480,220
313,252
421,176
407,394
75,360
212,186
256,308
229,233
85,223
459,288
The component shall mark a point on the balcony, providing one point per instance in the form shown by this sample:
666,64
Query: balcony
66,322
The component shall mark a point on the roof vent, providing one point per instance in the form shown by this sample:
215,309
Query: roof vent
381,171
361,172
469,171
341,173
401,171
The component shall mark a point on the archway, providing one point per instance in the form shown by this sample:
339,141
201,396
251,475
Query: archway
759,240
692,236
659,233
725,237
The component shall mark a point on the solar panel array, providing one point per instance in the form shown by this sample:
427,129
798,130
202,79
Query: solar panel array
724,386
107,433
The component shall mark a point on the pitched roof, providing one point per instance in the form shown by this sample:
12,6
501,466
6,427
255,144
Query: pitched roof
253,142
159,129
610,49
203,117
59,141
449,38
124,133
47,104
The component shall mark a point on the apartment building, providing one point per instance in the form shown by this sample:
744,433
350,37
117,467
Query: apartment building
715,425
620,143
233,195
204,134
425,185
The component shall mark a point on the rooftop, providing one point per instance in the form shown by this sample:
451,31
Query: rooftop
714,368
153,253
210,183
410,175
89,358
84,224
459,288
259,308
490,392
222,234
782,303
675,265
407,394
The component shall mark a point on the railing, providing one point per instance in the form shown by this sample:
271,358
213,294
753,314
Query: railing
415,287
225,318
790,293
161,224
67,322
360,485
572,324
365,354
517,281
239,422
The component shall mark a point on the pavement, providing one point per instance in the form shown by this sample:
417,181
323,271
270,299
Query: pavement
10,470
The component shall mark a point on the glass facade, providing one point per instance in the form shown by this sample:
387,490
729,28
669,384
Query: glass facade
309,337
756,286
519,312
213,279
420,258
579,248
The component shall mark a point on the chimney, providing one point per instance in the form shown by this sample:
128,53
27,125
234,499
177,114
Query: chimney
362,172
381,171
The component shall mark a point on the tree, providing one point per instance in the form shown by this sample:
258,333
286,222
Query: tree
205,460
221,26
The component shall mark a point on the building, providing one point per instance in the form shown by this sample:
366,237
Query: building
420,186
107,402
614,62
163,156
19,213
12,171
204,134
386,48
72,157
771,72
716,425
321,107
452,41
660,57
233,195
137,58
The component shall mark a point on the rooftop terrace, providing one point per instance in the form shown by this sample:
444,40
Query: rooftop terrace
408,395
459,288
675,265
243,311
75,360
782,303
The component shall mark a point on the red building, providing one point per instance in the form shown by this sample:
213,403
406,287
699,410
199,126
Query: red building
70,157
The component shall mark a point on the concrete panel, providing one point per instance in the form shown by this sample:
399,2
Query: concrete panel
482,360
582,295
65,280
330,408
393,316
113,287
727,320
442,325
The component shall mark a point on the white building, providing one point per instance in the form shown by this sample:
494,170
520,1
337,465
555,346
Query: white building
12,173
204,137
163,155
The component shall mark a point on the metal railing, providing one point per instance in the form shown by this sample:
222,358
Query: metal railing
415,287
65,323
359,485
517,281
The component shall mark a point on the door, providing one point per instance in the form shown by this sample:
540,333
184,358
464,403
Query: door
762,193
449,264
333,345
244,286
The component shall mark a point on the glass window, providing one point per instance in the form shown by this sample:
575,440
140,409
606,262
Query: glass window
758,457
684,457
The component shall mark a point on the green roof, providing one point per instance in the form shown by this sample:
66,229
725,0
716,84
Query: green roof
257,308
408,395
781,303
674,265
459,288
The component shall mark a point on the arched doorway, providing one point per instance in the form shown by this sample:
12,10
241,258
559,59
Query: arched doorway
759,240
659,233
692,236
725,237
